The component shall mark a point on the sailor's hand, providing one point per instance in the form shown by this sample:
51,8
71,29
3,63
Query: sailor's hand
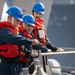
60,50
34,53
49,51
35,42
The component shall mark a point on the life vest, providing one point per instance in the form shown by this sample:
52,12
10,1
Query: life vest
39,31
8,50
22,58
21,23
24,32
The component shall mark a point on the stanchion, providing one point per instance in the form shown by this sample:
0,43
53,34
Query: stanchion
38,64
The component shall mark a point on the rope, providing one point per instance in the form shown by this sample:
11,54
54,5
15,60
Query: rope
35,71
31,64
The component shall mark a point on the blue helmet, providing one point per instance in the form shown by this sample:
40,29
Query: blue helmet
38,7
15,12
29,19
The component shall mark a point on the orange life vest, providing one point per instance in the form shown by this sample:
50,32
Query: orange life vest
39,26
23,59
21,23
8,50
24,32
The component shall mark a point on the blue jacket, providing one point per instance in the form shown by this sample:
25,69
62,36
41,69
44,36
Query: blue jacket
6,36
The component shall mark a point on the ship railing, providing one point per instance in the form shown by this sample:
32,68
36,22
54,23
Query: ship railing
39,64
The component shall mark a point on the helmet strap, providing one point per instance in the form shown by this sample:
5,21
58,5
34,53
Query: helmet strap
12,20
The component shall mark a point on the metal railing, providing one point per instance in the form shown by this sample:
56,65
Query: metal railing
56,53
39,70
